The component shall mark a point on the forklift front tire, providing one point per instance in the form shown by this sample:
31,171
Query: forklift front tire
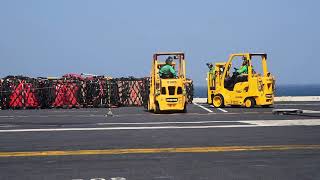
218,101
249,102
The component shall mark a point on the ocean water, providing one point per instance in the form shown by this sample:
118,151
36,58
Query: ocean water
281,90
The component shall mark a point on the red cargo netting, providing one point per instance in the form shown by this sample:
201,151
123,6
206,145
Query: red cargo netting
66,94
19,92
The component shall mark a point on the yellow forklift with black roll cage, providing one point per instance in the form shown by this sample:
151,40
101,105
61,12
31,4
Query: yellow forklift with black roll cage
168,93
228,88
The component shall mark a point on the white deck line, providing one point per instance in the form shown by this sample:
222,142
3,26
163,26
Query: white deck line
202,107
220,109
168,122
276,99
225,111
252,123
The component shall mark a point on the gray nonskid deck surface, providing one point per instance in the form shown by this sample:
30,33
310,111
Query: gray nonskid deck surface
135,128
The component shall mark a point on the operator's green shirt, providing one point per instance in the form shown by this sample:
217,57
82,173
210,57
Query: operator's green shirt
243,70
166,70
213,72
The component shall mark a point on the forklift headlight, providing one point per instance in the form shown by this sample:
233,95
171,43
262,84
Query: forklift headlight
184,92
157,92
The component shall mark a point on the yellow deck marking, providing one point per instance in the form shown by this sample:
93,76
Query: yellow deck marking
162,150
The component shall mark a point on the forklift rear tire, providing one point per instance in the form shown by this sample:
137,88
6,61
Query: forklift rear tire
218,101
249,102
148,107
157,109
185,108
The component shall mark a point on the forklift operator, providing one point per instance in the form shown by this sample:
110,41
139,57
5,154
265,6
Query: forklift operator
244,68
211,70
238,76
167,71
241,74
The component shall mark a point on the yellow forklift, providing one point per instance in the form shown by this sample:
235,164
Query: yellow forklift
230,88
168,93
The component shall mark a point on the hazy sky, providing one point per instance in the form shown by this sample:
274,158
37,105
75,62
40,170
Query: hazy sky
118,38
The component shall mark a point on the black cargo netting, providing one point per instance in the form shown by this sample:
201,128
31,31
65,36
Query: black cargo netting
132,91
45,93
190,90
146,92
94,93
1,94
74,91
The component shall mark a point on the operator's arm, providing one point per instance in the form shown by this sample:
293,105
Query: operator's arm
213,72
242,69
160,71
173,71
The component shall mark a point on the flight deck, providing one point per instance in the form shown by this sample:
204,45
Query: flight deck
130,143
